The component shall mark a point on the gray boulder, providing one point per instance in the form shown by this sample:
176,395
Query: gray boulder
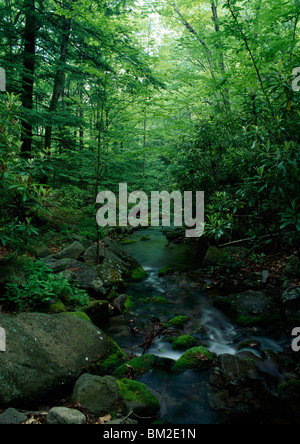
74,251
12,416
45,352
64,415
97,394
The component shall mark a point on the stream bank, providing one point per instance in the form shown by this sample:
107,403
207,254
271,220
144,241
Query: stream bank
253,369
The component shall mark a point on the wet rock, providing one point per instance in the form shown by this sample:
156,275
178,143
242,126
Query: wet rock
291,302
218,400
235,369
249,308
64,415
12,416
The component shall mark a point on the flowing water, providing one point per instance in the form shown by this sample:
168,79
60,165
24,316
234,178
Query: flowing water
183,397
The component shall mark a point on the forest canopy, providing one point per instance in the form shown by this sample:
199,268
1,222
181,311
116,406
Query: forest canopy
162,95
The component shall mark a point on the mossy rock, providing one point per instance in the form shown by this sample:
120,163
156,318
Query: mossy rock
289,389
140,365
138,274
178,321
145,238
107,362
57,307
184,342
137,397
172,268
197,358
80,315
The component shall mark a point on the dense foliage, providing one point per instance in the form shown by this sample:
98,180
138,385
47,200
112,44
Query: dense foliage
161,95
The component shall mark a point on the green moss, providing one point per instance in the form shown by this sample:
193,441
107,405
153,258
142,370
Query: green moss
108,361
145,238
128,304
140,364
127,241
171,268
79,314
184,342
139,274
197,358
289,389
156,300
259,320
57,307
178,321
137,393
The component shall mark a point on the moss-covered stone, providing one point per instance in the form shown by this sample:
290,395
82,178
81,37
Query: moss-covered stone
80,314
107,362
138,274
197,358
171,268
57,307
137,397
140,365
184,342
178,321
145,238
289,389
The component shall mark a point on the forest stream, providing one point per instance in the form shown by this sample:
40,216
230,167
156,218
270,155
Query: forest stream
183,397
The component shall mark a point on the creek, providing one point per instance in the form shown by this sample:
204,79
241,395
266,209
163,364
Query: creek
183,397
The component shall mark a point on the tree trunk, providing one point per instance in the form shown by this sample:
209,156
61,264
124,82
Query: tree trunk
28,75
59,80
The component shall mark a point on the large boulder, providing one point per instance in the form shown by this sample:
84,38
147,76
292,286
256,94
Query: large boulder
249,308
46,352
74,251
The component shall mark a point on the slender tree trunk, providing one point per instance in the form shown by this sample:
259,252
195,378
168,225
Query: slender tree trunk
215,18
59,80
100,121
28,75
